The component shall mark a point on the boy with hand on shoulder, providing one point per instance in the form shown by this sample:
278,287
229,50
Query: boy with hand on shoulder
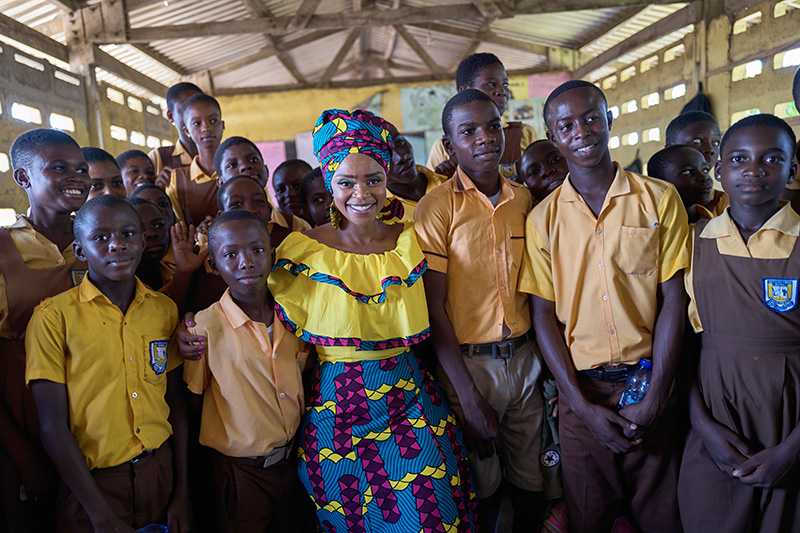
104,172
686,169
250,379
486,73
36,261
166,159
136,169
316,197
604,259
471,229
103,396
700,130
543,169
289,202
193,189
739,469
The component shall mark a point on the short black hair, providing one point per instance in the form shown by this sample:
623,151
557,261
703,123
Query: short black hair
657,165
227,143
686,119
107,201
230,216
141,188
467,96
534,143
223,189
29,143
200,98
763,120
305,183
127,155
471,65
93,154
568,86
174,93
141,201
292,163
796,88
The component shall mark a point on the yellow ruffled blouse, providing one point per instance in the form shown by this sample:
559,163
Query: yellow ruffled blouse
353,307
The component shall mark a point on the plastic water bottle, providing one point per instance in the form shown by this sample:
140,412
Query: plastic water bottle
153,528
637,384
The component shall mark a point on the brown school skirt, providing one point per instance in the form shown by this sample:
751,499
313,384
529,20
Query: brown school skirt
755,392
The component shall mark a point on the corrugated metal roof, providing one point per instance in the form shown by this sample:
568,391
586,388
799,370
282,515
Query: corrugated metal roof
311,60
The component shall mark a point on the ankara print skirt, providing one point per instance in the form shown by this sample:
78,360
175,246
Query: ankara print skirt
381,451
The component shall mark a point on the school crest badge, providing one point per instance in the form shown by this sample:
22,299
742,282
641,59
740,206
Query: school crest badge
77,276
158,356
780,294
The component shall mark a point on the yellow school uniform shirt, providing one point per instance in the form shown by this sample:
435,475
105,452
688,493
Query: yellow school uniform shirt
114,366
298,224
409,206
251,381
718,202
178,150
197,175
37,251
479,246
438,153
774,240
602,273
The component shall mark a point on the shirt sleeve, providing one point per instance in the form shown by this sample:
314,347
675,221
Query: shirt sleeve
694,315
155,158
46,345
196,373
536,272
432,225
673,227
528,136
172,193
437,154
174,358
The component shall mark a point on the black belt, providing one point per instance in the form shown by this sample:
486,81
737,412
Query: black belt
498,350
609,374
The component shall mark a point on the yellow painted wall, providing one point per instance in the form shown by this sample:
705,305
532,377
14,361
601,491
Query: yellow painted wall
279,116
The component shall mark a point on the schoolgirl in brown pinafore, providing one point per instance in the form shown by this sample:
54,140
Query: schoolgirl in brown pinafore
508,165
197,200
749,377
25,288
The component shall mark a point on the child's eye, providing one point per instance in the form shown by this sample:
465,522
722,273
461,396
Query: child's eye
255,160
235,205
697,140
737,159
468,131
317,200
158,225
82,171
97,185
229,255
118,183
230,166
773,159
715,144
556,159
258,250
100,238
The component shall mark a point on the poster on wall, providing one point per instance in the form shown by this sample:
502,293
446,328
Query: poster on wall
422,106
529,111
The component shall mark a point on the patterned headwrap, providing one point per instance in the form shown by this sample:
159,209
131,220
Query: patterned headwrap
339,133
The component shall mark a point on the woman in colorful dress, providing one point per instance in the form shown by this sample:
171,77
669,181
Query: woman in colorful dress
379,450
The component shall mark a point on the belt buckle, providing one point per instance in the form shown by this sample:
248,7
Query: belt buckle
503,350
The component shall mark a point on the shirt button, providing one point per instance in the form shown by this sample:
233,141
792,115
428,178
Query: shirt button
605,297
274,356
137,430
502,287
498,251
599,231
130,358
134,395
291,430
60,261
600,265
281,395
611,332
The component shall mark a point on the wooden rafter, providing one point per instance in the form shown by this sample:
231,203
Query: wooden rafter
436,70
487,8
340,55
487,36
303,14
258,9
348,20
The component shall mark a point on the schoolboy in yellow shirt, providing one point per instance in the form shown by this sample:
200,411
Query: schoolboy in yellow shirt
36,261
471,229
604,260
250,379
98,359
166,159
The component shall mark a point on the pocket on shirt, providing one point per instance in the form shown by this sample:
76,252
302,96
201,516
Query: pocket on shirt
156,351
638,250
517,243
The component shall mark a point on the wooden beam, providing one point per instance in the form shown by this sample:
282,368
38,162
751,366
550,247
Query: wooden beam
303,14
115,66
350,84
68,5
623,16
486,37
338,21
161,58
325,81
258,9
674,22
24,34
436,70
487,8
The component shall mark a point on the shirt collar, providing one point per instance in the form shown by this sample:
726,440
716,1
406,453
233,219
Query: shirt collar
620,186
196,173
233,312
463,183
785,220
88,291
179,149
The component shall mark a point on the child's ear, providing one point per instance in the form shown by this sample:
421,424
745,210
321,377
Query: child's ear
22,179
186,130
448,146
77,249
170,116
213,264
792,172
223,124
610,118
549,135
718,174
